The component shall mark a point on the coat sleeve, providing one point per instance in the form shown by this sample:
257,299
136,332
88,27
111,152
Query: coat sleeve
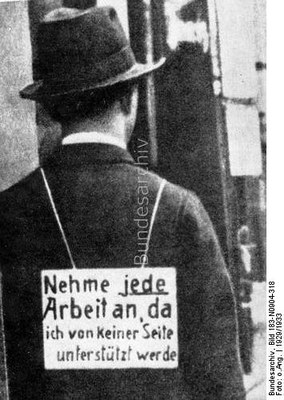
216,366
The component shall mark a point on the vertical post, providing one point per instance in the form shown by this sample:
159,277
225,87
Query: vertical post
228,190
18,139
141,37
150,86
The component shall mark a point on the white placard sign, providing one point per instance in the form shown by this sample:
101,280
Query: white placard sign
110,318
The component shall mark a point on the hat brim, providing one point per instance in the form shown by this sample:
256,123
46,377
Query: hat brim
39,91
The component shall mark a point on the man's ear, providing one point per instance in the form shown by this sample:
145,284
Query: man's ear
129,97
125,103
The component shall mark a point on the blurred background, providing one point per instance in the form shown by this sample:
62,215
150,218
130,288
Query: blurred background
203,114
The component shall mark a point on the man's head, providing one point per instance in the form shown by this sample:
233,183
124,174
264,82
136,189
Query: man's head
101,109
88,70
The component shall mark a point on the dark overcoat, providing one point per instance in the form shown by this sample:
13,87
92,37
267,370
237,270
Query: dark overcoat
96,191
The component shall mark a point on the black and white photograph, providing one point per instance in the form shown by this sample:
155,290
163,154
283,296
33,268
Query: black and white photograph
133,202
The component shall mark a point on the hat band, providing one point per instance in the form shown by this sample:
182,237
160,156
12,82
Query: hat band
95,72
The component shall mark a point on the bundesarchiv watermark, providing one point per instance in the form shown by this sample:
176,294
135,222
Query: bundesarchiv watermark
142,210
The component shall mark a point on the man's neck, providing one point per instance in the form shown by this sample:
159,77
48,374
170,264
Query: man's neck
107,129
93,137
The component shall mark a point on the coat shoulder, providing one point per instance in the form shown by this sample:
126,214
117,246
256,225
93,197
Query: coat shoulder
21,194
192,213
174,194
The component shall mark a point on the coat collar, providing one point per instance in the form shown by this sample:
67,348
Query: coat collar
88,153
93,137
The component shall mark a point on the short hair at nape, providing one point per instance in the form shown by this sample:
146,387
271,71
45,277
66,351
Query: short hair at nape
82,105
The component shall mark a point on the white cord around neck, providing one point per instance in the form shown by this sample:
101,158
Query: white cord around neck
57,219
153,217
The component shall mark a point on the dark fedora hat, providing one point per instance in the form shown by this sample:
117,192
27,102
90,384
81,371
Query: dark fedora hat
82,50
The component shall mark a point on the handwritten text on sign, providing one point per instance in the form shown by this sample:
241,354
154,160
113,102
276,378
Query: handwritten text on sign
110,318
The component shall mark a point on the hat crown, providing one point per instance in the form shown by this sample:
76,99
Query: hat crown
72,43
82,50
